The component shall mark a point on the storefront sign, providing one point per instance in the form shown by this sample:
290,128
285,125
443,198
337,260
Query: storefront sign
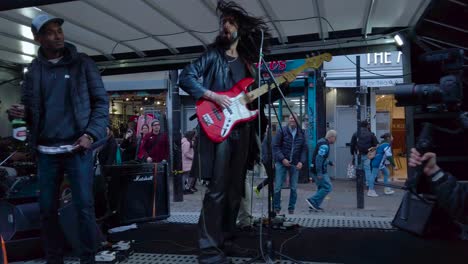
275,66
384,58
364,82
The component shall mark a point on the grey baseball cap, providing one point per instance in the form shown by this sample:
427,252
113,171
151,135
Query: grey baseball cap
39,21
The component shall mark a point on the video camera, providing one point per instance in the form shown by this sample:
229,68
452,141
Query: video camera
448,93
439,116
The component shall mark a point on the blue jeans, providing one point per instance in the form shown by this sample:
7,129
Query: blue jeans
280,176
324,187
366,165
78,168
375,172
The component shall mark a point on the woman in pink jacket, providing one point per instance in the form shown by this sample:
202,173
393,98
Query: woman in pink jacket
187,158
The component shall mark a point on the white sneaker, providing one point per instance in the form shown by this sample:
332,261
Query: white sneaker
372,193
388,191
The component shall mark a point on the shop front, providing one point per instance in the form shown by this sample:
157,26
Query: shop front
136,99
379,73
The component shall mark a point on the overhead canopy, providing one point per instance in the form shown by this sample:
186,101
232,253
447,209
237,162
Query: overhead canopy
171,32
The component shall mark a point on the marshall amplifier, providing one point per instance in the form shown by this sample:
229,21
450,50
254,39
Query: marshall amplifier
138,192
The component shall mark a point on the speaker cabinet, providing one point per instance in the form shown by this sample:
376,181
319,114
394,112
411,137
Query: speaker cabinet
19,218
138,192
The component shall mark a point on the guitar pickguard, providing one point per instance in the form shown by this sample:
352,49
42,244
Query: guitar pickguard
236,111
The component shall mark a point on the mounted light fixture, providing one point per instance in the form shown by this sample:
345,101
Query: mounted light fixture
398,39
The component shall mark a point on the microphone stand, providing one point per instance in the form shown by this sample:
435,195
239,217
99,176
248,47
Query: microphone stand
271,254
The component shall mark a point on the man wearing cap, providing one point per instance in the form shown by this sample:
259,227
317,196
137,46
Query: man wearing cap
66,108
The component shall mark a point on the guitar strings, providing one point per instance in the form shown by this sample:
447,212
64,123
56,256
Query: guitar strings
237,101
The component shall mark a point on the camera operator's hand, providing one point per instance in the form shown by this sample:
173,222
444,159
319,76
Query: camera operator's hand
416,159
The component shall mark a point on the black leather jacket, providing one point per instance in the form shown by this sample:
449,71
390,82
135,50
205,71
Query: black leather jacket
212,69
211,72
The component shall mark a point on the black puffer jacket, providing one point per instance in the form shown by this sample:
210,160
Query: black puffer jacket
287,147
90,100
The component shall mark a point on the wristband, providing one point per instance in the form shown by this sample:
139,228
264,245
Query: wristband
89,137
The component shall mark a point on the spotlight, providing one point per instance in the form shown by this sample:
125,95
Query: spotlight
127,99
398,39
25,70
146,98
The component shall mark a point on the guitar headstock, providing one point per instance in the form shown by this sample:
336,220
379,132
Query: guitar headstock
316,61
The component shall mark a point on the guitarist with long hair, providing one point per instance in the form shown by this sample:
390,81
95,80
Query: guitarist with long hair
228,60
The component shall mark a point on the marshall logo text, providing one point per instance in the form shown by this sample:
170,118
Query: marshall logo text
143,178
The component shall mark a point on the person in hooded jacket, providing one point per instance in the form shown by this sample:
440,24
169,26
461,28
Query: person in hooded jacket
66,108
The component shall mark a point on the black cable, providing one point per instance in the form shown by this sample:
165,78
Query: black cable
299,232
9,81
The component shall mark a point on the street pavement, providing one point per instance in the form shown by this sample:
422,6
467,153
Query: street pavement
342,201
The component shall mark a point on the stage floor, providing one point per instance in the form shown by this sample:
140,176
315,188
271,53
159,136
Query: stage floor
169,242
148,258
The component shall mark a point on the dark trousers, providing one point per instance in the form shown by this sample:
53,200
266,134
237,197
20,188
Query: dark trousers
222,199
78,168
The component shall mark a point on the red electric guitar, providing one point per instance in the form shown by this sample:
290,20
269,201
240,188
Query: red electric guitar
217,122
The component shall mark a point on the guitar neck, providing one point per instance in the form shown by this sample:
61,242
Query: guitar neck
264,88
